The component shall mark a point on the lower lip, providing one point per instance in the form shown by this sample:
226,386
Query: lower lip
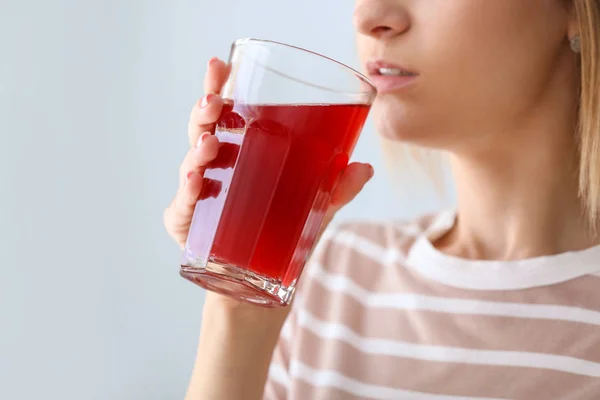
388,83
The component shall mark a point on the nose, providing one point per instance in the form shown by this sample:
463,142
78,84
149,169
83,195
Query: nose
380,19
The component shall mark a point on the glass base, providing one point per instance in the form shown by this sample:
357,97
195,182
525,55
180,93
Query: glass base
238,283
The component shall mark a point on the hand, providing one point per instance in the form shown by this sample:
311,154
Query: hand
205,146
203,149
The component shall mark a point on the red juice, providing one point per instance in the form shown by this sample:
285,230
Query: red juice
265,195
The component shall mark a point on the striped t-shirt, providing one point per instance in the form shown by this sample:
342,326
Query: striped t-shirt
381,314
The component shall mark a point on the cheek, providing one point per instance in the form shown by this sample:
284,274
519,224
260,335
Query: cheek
495,86
466,64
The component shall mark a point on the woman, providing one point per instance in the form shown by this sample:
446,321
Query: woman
497,300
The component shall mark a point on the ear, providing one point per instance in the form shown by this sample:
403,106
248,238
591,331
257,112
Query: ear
573,26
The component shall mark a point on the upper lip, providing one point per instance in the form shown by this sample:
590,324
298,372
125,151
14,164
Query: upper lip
374,66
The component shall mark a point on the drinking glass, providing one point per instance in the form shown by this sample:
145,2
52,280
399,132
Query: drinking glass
290,122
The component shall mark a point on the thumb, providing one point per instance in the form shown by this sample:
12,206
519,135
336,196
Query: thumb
352,181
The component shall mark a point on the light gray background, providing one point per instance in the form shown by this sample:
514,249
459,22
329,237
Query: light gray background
94,100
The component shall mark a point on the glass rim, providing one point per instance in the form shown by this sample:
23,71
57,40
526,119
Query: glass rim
358,74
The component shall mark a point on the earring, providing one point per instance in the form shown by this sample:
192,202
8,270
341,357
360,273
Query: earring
576,44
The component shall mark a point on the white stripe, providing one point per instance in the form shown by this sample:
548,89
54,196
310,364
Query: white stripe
286,330
330,232
409,230
278,374
390,256
410,301
333,379
332,331
385,256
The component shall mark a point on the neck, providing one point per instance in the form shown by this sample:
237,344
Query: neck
520,199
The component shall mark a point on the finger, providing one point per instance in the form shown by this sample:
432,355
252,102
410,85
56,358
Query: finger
178,215
352,181
216,76
204,115
186,199
199,156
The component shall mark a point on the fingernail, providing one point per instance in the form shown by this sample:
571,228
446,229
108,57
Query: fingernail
188,176
371,171
206,100
213,61
202,138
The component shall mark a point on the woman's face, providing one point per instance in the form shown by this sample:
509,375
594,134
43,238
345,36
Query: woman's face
478,66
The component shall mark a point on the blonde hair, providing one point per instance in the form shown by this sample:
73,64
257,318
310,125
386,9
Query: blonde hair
588,16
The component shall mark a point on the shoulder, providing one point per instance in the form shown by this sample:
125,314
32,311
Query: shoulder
362,252
374,239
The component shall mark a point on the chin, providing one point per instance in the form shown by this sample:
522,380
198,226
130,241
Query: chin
395,121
